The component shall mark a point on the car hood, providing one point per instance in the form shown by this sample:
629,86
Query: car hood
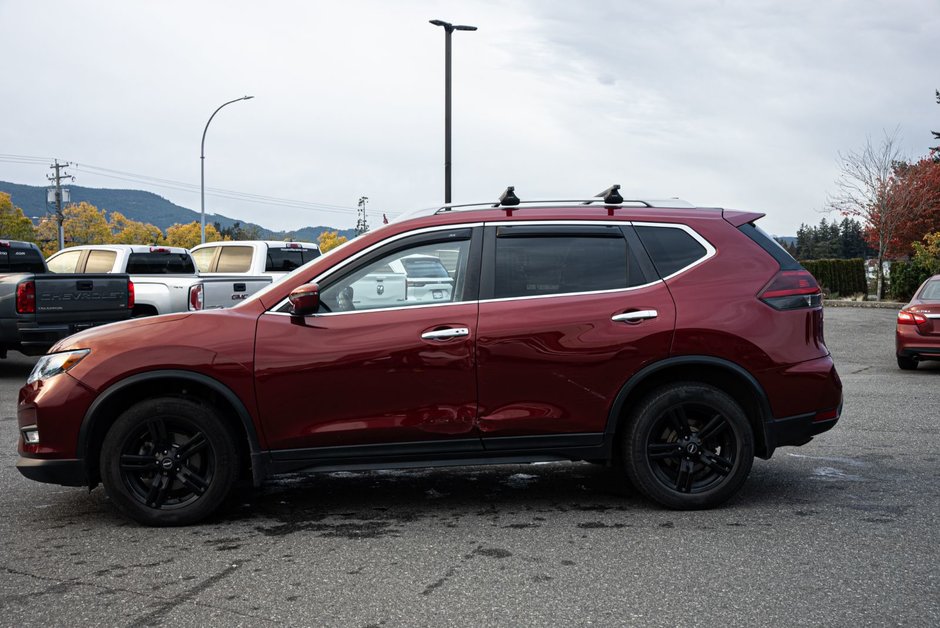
88,336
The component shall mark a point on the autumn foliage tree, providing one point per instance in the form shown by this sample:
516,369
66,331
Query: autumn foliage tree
14,225
330,240
190,235
127,231
872,186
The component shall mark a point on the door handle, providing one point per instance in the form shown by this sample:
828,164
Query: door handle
444,334
634,317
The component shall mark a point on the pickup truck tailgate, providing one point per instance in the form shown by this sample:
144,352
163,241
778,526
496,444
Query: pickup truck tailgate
100,298
222,292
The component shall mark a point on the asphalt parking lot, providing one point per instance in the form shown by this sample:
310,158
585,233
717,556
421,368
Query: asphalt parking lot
840,532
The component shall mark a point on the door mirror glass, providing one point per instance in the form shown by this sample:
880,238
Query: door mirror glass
305,299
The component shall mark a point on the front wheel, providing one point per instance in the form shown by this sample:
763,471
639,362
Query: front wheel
688,446
168,461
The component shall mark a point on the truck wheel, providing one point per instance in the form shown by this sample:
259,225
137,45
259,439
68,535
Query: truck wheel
688,446
168,461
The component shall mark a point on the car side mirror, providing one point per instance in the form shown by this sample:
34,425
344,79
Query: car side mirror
304,299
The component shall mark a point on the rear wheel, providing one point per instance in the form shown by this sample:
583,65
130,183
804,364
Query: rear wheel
906,364
168,461
688,446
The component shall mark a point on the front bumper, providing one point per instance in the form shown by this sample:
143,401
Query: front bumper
65,472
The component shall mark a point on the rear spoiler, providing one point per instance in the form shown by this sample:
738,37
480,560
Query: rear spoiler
738,218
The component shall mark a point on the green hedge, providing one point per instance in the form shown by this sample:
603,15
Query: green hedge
844,277
906,277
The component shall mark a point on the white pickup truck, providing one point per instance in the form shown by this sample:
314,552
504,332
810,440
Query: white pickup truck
164,277
253,257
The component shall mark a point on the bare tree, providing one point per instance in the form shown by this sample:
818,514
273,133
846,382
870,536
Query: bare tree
869,187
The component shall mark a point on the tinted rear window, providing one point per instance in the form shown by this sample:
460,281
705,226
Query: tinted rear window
15,259
530,266
424,268
670,248
287,259
160,264
771,246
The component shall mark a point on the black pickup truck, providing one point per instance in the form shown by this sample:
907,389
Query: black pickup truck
38,308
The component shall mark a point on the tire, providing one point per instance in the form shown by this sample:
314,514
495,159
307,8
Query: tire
688,446
168,461
906,364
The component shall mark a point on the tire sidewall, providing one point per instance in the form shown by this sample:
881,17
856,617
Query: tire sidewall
202,417
641,423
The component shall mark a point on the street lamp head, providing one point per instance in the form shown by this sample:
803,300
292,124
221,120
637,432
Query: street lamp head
247,97
452,27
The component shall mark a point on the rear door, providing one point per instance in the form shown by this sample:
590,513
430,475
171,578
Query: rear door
568,312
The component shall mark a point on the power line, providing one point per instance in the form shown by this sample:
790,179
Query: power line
187,187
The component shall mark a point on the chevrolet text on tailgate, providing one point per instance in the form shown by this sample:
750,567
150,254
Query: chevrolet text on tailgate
671,342
38,308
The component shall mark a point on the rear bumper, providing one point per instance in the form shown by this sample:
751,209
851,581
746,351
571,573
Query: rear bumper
799,430
65,472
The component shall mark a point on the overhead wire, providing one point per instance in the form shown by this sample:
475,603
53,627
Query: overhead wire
182,186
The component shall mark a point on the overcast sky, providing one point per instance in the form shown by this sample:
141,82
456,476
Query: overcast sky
737,104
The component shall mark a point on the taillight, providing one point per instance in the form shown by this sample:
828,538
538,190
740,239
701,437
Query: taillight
195,297
131,297
26,297
911,318
791,290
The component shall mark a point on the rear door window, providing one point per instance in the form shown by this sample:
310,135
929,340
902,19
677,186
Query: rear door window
100,261
234,259
536,260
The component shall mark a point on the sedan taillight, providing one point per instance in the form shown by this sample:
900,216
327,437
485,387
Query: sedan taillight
911,318
791,290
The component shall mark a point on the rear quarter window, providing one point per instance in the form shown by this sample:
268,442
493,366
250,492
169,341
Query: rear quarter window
670,248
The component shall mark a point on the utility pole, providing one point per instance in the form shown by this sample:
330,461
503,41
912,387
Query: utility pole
60,196
361,225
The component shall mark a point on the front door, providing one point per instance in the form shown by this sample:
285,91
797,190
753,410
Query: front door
376,365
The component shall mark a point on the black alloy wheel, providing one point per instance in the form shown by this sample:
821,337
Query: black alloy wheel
168,461
688,446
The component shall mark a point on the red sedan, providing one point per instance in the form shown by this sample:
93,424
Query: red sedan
918,333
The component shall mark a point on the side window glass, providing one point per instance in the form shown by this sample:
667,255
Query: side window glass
418,275
670,248
203,258
234,259
100,261
64,263
534,265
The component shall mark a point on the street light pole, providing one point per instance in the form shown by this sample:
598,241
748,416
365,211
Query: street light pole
448,31
202,167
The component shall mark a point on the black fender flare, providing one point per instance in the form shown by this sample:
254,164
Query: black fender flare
616,410
258,457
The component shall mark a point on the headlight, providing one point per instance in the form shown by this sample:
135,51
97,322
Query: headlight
56,363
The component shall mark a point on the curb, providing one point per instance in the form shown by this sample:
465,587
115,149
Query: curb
883,305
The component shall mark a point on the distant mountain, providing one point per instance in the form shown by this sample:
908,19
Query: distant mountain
147,207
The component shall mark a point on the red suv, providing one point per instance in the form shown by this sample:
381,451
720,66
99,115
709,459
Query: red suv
673,342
